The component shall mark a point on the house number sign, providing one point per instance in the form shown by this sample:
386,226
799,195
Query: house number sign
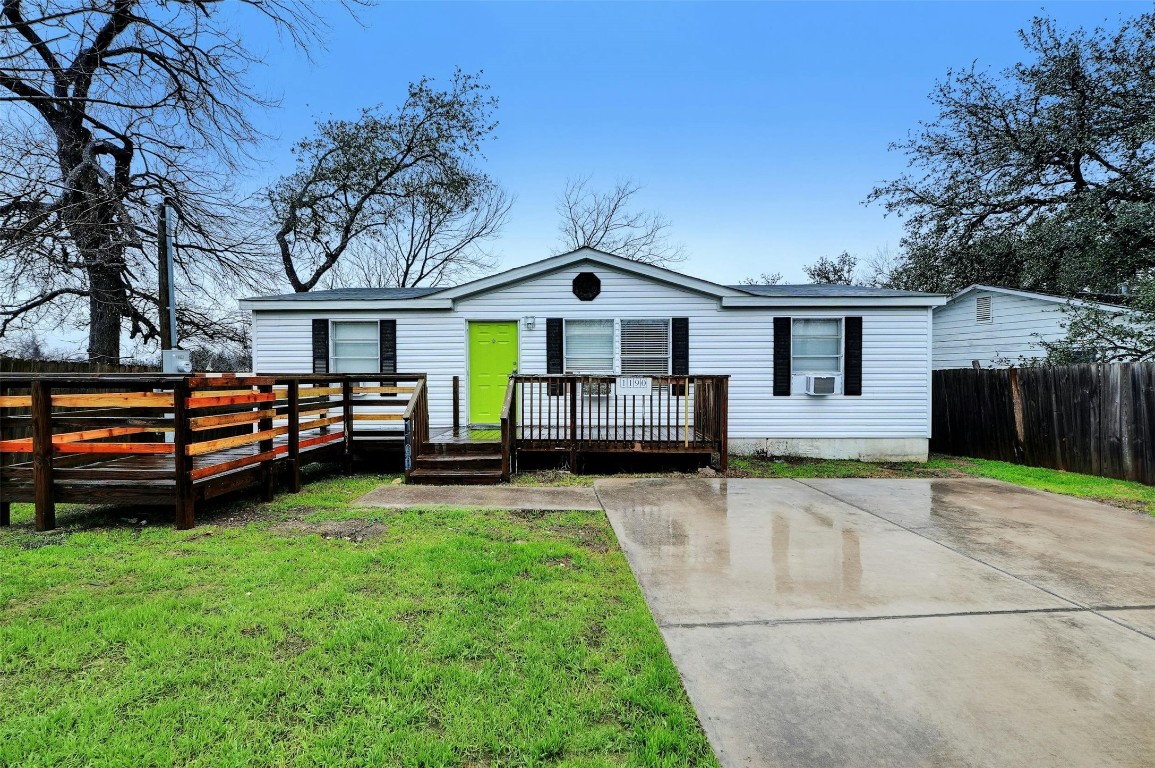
634,385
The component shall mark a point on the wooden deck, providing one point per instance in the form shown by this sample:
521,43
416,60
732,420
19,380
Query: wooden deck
180,440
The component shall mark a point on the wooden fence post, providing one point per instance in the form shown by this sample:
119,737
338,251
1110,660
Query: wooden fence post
347,423
1017,405
266,446
5,506
182,437
294,413
42,455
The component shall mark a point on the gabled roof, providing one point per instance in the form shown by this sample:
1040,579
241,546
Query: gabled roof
736,296
591,256
1048,297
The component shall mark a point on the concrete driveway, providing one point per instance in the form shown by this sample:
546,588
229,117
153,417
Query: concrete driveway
900,622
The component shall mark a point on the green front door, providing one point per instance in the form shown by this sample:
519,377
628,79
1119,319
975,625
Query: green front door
492,358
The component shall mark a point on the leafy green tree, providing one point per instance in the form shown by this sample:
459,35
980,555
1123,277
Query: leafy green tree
1040,177
1095,332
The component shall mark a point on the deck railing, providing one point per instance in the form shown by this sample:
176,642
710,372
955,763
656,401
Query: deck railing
579,413
163,439
416,421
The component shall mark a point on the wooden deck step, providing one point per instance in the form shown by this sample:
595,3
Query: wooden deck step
463,463
448,462
423,476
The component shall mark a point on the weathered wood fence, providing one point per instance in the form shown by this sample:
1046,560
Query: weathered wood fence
1095,419
21,365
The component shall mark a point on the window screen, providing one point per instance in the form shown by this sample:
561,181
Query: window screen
589,346
354,347
816,346
645,347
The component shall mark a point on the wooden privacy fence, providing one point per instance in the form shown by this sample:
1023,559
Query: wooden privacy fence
585,414
1096,419
160,439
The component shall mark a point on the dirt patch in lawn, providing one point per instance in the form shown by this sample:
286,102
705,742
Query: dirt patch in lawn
349,530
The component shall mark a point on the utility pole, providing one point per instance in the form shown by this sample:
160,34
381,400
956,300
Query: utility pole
167,293
173,360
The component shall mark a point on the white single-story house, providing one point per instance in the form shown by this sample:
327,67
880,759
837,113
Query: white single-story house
999,326
814,370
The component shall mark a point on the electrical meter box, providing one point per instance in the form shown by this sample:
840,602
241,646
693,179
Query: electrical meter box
175,361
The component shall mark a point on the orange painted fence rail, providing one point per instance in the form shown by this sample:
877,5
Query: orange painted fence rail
163,439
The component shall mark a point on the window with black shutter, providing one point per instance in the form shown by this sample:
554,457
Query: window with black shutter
853,377
781,357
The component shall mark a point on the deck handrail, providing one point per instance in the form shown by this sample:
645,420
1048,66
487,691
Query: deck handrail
508,428
416,419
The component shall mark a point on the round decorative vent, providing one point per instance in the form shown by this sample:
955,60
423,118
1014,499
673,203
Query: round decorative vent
587,286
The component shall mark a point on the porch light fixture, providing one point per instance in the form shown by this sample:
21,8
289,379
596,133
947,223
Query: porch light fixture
530,322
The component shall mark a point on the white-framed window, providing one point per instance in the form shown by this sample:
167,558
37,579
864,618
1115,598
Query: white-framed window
354,346
589,346
645,347
816,345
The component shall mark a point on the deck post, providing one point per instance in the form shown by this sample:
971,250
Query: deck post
724,424
456,404
294,413
571,385
347,423
266,446
42,455
5,506
182,436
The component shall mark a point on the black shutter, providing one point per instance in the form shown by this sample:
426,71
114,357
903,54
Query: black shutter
680,351
388,340
781,357
852,384
554,351
320,346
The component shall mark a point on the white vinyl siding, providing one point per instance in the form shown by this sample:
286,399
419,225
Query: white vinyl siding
1018,324
645,347
589,346
816,346
354,347
738,342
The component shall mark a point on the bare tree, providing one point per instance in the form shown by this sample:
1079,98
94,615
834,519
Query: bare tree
841,270
430,241
114,105
604,220
766,278
358,181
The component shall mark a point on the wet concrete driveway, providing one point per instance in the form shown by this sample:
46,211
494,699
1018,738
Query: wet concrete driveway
900,622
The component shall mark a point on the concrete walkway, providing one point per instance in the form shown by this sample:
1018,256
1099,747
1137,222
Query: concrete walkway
483,497
900,622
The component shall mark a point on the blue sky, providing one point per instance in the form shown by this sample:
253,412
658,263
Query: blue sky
756,128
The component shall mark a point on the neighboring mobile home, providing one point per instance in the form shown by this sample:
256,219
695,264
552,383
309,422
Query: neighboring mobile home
826,371
998,327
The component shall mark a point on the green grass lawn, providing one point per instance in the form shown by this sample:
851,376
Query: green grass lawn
305,632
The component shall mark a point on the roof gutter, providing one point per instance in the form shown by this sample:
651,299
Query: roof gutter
756,302
348,305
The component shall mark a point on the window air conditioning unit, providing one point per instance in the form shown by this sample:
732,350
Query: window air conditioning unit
821,385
